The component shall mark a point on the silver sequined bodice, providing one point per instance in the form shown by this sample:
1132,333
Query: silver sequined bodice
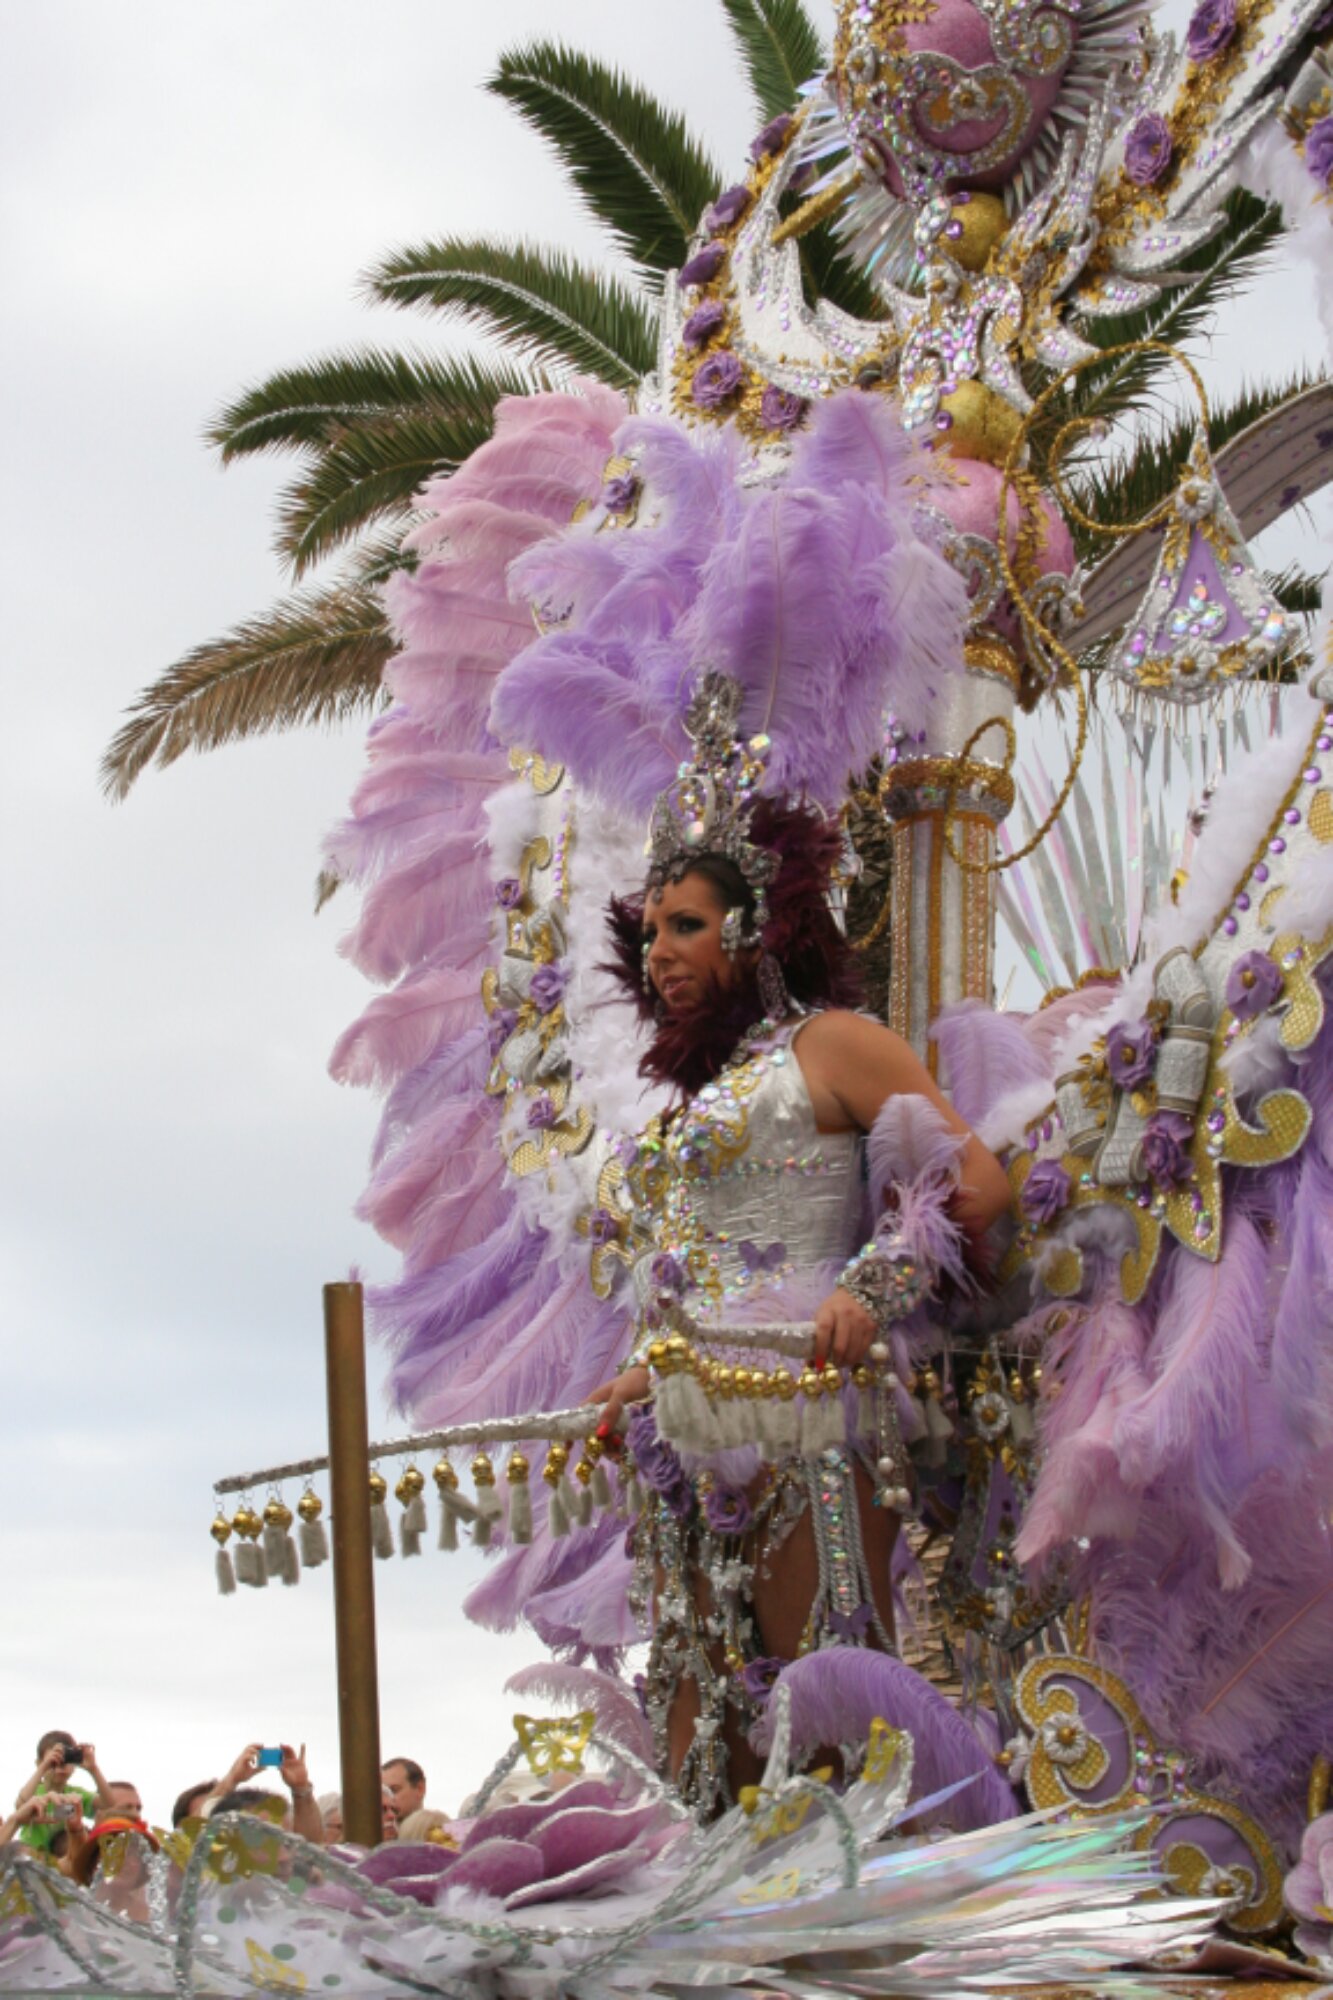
742,1189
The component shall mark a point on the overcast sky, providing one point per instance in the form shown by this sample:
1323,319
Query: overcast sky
189,190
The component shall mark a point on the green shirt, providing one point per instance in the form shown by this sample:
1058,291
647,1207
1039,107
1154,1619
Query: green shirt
41,1833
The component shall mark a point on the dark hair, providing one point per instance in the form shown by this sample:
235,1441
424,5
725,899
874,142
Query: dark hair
181,1809
412,1772
246,1798
818,965
52,1736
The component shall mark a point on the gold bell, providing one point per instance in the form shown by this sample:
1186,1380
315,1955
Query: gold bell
557,1458
832,1378
517,1470
483,1472
277,1514
379,1487
446,1479
310,1506
811,1383
220,1530
411,1482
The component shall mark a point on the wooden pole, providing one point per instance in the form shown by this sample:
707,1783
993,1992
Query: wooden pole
353,1570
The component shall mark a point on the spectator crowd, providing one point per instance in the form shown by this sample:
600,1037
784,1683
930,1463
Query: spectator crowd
67,1809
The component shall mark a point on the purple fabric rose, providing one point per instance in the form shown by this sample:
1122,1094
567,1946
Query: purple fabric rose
500,1027
729,207
1212,24
1148,149
547,988
703,265
1253,984
666,1272
509,892
541,1113
758,1677
1045,1192
1131,1051
618,493
583,1841
703,322
716,379
1309,1889
727,1511
657,1463
764,144
1319,151
603,1227
779,410
1165,1148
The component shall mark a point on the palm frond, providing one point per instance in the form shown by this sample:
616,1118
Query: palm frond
315,658
1124,488
1297,590
374,471
308,407
641,173
381,555
1218,270
553,310
780,48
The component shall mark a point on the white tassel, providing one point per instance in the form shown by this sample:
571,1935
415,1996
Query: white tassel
409,1541
557,1512
582,1503
250,1565
489,1514
415,1517
1022,1428
314,1543
381,1530
272,1541
226,1576
290,1570
520,1513
601,1489
632,1494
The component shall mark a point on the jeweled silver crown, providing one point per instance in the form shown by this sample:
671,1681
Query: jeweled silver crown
709,806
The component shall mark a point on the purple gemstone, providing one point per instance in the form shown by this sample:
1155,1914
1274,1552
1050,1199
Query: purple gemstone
1313,775
1324,743
1276,846
1261,872
1242,901
1291,816
1230,926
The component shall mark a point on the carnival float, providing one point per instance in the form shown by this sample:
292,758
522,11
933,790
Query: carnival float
784,602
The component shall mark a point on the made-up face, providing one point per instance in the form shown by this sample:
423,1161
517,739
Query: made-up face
682,933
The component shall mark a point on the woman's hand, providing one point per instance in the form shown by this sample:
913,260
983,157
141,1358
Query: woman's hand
629,1387
843,1331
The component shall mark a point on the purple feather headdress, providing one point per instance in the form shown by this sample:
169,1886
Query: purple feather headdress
818,597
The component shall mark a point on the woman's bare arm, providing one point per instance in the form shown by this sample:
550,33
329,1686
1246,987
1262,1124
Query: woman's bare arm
852,1066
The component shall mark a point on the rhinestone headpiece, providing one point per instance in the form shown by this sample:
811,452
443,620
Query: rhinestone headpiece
708,807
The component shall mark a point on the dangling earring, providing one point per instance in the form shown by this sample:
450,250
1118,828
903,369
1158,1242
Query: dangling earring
644,950
735,937
773,995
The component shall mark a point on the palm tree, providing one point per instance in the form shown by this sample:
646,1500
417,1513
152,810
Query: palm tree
370,425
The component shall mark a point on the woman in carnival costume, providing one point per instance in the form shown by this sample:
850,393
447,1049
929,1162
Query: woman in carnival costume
809,1172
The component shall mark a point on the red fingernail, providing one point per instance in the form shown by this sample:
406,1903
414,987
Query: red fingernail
603,1430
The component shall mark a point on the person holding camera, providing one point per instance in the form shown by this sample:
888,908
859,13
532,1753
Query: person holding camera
58,1758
